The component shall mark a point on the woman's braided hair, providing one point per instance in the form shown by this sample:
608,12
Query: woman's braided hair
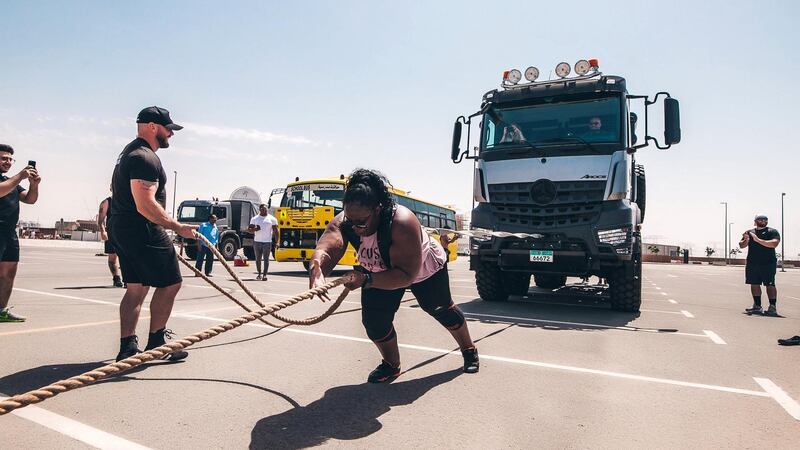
368,188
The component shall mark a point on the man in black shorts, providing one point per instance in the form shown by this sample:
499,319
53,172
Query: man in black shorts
108,245
137,222
11,193
761,264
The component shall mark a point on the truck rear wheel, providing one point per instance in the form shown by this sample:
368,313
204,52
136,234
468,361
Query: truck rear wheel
625,284
547,281
229,246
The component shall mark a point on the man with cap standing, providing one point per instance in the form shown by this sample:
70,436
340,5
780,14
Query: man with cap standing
137,224
761,264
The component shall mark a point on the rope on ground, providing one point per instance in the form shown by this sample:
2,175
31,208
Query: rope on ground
246,290
85,379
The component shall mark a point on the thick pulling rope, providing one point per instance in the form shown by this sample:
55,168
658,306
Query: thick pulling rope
87,378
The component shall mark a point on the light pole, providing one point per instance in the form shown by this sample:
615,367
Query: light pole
174,191
725,231
783,238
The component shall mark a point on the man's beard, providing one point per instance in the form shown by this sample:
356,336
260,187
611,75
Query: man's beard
162,142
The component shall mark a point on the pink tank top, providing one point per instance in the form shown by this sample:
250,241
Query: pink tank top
433,256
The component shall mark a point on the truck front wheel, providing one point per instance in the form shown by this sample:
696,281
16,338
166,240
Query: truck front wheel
490,283
546,281
625,285
229,246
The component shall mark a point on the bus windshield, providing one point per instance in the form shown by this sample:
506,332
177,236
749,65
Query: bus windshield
574,123
313,194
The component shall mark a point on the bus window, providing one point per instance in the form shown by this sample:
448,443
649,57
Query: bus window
435,222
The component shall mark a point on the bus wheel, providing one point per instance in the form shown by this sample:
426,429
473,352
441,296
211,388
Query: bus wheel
307,265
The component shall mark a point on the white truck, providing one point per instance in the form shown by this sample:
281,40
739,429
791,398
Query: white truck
556,164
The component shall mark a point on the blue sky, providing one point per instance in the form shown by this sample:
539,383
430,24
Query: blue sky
273,90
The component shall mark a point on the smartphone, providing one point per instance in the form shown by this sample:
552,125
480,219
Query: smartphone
32,164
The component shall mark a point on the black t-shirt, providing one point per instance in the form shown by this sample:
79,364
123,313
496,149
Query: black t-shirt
9,207
136,162
757,253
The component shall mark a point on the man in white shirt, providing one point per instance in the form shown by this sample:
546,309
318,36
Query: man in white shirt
264,226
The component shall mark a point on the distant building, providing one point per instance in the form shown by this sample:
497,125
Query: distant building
660,249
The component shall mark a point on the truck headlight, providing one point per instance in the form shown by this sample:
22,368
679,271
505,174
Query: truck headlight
615,236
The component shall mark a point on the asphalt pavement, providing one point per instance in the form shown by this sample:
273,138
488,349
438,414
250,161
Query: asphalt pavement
559,369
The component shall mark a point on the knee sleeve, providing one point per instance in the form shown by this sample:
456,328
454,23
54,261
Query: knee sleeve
449,316
381,334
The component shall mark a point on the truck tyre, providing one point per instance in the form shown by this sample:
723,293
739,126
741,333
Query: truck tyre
625,283
250,253
229,246
490,283
191,252
546,281
640,188
517,283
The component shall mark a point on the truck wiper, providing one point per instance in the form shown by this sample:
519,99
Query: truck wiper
518,151
573,138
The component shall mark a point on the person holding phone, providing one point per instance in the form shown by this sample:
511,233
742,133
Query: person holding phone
11,193
761,264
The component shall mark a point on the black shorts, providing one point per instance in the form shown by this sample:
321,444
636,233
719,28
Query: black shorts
380,305
108,247
760,274
145,251
9,246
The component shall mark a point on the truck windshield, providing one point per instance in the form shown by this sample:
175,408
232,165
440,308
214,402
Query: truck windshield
199,213
574,124
313,194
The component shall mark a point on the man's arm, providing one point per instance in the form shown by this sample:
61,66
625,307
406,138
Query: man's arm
253,227
770,243
102,213
144,195
32,194
12,182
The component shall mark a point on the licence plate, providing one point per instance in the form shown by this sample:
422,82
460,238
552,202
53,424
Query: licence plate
542,256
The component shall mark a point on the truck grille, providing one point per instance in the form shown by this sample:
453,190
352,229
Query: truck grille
575,203
300,215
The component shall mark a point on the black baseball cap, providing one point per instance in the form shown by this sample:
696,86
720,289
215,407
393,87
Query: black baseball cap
157,115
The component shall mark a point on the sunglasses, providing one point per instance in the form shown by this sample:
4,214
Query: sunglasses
361,225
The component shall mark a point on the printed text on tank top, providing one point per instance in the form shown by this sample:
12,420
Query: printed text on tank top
433,256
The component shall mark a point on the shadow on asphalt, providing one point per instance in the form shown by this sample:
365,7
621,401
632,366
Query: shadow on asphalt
572,307
30,379
343,413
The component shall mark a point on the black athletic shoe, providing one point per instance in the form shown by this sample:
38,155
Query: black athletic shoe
794,340
772,311
158,339
471,362
756,309
128,347
383,373
117,282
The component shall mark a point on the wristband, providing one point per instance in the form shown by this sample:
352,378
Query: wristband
367,280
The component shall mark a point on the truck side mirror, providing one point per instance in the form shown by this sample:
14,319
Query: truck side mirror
672,121
456,150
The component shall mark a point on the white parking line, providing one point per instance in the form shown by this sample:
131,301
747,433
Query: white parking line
788,403
658,288
714,337
770,389
687,314
672,301
74,429
663,293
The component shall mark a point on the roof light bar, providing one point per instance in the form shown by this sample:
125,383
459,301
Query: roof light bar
531,73
562,69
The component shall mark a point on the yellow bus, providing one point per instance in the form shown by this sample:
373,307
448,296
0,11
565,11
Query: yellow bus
308,206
